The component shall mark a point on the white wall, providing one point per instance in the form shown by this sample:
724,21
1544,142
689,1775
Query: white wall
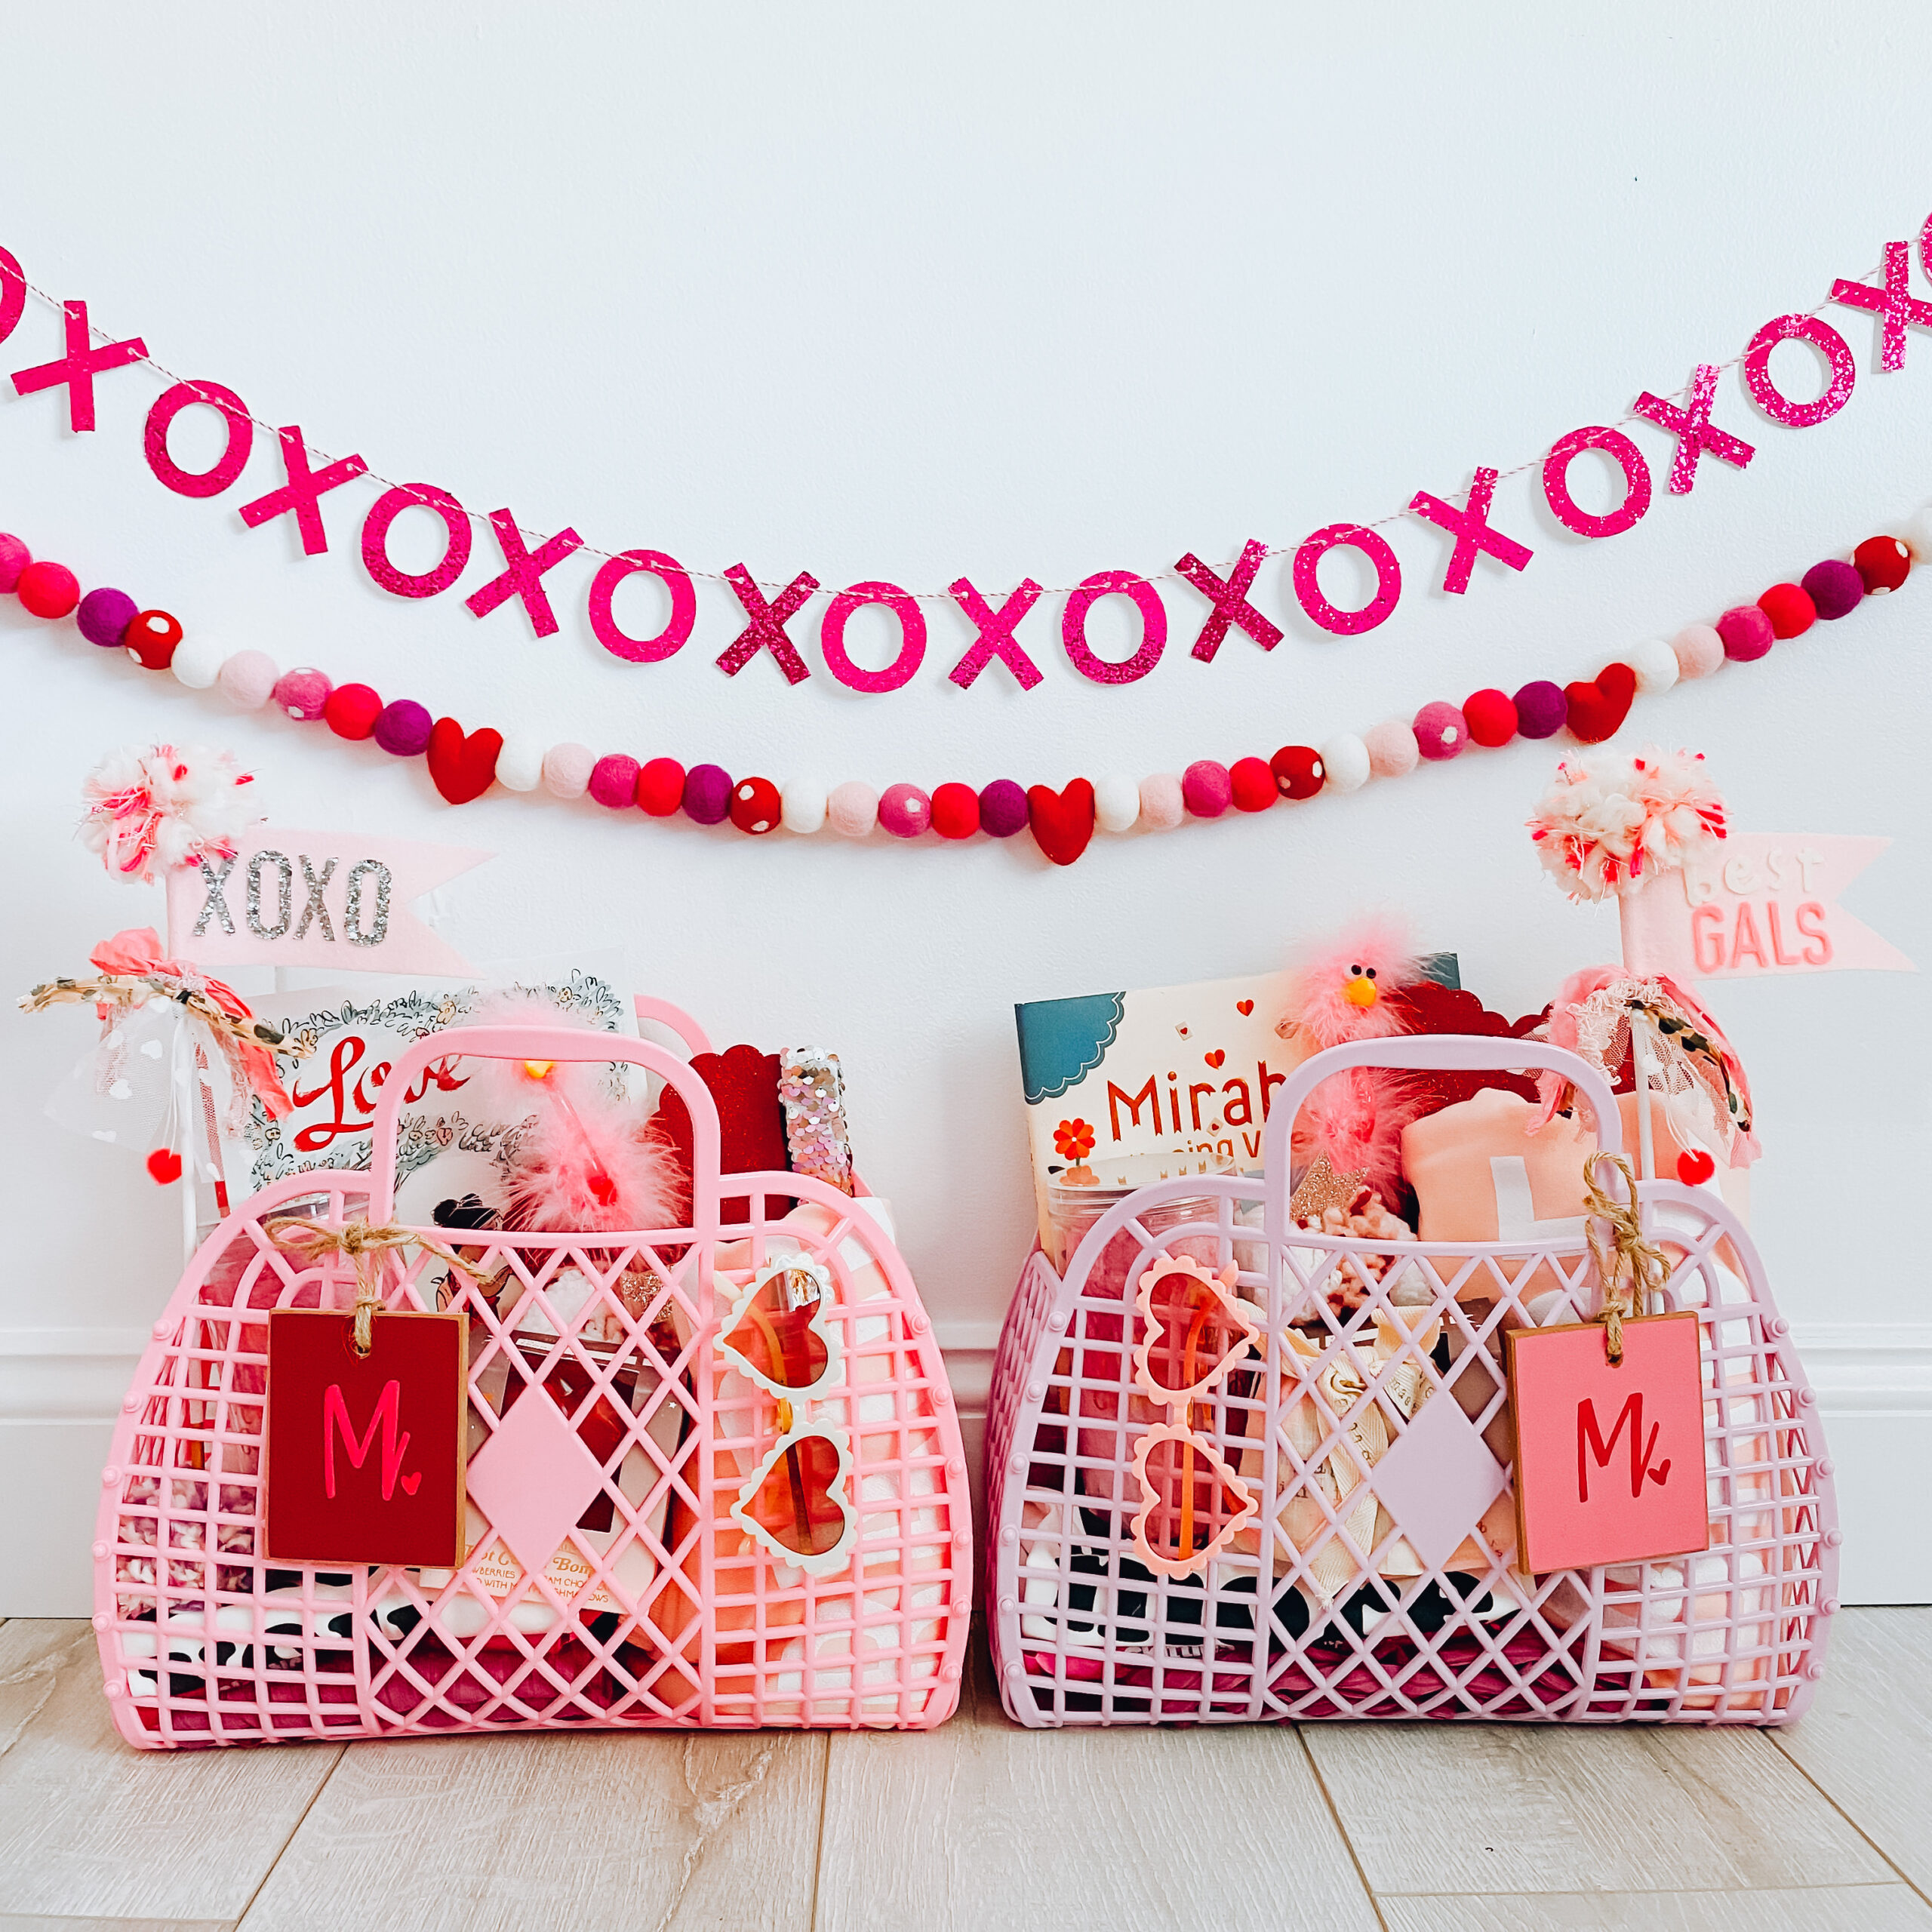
882,294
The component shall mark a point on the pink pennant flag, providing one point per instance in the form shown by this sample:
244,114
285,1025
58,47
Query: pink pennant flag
1763,901
333,899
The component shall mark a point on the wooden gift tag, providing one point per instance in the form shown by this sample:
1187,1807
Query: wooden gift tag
365,1453
1610,1460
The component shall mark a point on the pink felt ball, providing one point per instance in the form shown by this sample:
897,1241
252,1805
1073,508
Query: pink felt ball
1746,632
403,728
1699,651
566,770
613,782
14,558
905,811
48,590
1441,731
302,693
853,808
104,617
1393,749
1163,801
707,794
248,679
1207,788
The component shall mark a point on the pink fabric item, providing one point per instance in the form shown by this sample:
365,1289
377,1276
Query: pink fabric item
852,809
1699,651
1393,749
996,637
566,770
614,781
248,679
1206,789
1163,801
905,811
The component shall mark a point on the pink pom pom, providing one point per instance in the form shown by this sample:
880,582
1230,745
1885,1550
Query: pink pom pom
1207,788
14,558
1699,651
1441,731
613,782
1393,749
905,811
853,808
566,770
304,694
1608,823
589,1163
248,679
1163,804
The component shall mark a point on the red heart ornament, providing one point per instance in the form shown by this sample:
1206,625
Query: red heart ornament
1695,1166
1063,822
1243,1007
1597,708
462,768
165,1165
1215,1059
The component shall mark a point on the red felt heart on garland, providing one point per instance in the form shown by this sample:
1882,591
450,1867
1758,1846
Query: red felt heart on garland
165,1165
1063,822
462,768
1695,1166
1597,708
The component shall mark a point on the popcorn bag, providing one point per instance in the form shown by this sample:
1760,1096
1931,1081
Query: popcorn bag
707,1470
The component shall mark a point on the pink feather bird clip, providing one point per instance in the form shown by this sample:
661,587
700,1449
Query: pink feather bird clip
1338,993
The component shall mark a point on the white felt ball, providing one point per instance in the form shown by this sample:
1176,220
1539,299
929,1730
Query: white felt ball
1655,664
1918,535
197,662
520,763
804,804
1345,760
1116,802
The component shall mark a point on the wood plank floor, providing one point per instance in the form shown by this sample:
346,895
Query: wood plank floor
1826,1827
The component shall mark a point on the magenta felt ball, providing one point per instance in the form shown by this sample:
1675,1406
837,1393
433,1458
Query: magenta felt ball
1834,586
302,693
402,729
51,590
1206,789
1747,633
1542,710
104,617
613,782
1441,731
905,811
1003,808
708,794
14,558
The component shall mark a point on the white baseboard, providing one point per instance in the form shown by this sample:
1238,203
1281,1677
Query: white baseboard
61,1388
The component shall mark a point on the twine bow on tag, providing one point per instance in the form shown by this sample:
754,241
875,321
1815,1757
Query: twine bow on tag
1632,1253
364,1246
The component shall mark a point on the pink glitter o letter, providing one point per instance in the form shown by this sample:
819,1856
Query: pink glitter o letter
1308,586
1153,621
1636,482
240,439
1829,343
375,539
672,639
13,292
911,651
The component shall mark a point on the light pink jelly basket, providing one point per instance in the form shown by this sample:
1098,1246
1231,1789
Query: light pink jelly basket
629,1596
1363,1513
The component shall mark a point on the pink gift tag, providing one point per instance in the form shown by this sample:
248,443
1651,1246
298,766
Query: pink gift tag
1610,1460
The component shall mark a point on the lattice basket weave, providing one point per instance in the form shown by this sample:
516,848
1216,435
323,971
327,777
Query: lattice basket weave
1365,1512
656,1609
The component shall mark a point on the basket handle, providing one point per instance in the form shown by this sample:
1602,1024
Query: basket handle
1455,1053
663,1014
552,1043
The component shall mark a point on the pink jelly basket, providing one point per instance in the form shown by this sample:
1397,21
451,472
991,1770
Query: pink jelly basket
628,1587
1354,1471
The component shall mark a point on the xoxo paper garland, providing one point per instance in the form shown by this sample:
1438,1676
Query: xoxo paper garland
1689,421
463,765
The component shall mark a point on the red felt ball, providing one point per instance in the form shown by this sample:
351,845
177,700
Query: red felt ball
660,787
955,811
1790,609
756,807
352,711
1297,770
48,590
1882,562
1252,781
1491,716
150,639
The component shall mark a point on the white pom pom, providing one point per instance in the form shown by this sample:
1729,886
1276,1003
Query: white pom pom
197,662
520,763
1655,664
1917,535
804,804
1116,802
1345,760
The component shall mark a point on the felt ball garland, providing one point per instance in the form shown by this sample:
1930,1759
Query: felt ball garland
1061,821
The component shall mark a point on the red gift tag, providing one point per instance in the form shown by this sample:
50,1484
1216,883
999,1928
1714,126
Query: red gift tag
365,1453
1610,1460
